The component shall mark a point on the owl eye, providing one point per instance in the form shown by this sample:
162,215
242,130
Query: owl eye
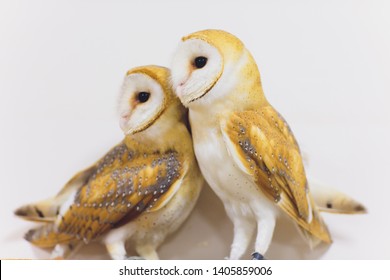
200,62
143,96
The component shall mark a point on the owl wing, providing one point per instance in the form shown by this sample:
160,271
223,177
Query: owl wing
263,146
124,185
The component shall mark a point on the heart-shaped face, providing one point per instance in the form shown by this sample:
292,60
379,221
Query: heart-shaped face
196,68
141,102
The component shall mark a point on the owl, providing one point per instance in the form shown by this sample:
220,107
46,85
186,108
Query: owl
142,190
245,149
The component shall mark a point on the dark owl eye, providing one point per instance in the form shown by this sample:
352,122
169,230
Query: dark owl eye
143,96
200,62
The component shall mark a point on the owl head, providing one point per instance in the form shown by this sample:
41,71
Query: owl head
207,64
145,98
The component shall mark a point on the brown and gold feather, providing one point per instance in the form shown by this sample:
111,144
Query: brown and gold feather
266,149
125,184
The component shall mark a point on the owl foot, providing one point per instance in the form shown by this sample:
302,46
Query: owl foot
257,256
135,258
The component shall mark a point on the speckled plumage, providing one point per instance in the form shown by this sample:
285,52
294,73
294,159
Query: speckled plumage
246,151
141,190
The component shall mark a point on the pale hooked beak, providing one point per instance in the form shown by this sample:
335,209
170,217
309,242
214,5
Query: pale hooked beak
123,122
180,88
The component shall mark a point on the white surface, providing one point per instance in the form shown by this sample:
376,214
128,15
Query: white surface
325,66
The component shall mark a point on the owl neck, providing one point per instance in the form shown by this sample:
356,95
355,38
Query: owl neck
162,135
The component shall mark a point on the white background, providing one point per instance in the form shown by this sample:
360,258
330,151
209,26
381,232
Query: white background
325,66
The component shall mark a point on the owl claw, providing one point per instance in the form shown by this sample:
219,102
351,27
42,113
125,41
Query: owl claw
257,256
135,258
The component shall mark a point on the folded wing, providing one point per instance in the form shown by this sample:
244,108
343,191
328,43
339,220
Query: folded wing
263,146
124,185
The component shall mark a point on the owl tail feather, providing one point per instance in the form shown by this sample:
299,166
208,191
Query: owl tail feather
332,201
43,211
46,236
48,209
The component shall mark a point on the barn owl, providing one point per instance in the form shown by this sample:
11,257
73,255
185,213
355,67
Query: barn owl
245,149
140,191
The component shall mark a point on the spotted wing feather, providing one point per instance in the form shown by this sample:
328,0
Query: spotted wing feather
124,185
263,146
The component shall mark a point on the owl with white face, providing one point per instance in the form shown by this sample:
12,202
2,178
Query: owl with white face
245,149
140,191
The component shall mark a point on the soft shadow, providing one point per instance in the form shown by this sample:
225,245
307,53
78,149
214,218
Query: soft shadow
93,251
206,234
288,244
17,234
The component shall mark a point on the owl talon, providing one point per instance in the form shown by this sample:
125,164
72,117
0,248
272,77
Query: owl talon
257,256
138,258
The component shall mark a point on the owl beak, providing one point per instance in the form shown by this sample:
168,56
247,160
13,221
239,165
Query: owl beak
179,90
123,122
